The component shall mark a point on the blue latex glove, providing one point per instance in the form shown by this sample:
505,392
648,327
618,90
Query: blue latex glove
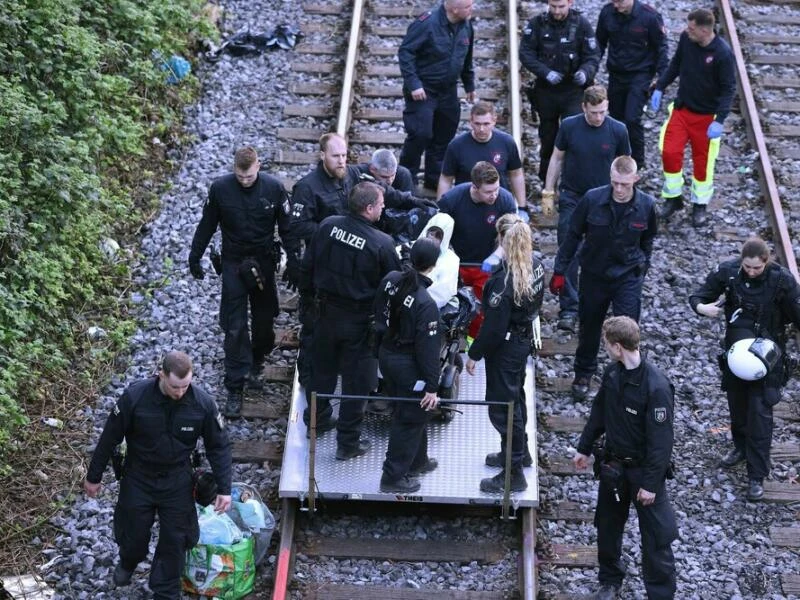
579,77
655,100
714,130
554,77
523,214
490,263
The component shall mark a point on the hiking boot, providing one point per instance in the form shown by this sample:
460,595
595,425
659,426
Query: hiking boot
379,406
580,387
233,404
122,576
361,449
607,592
427,467
568,323
496,484
404,485
755,490
671,206
699,215
732,458
498,459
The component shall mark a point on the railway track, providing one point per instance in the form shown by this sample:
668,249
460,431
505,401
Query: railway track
756,180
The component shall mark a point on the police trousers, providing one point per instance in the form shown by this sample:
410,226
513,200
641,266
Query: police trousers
142,494
750,404
627,95
342,347
430,125
408,435
243,345
568,299
553,104
505,381
306,314
596,295
658,529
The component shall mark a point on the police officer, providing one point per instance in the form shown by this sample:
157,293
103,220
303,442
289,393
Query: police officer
585,146
409,342
617,224
705,64
246,206
558,47
344,264
634,408
761,298
636,39
435,53
383,168
512,299
161,419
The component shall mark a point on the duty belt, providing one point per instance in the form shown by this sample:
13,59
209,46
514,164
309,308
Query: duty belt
625,461
157,469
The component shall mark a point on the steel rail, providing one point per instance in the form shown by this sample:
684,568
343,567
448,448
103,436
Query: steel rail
514,96
285,564
769,187
348,81
527,569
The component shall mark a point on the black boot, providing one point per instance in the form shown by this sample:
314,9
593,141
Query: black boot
498,459
732,458
233,404
496,484
755,490
671,206
404,485
253,381
122,576
699,215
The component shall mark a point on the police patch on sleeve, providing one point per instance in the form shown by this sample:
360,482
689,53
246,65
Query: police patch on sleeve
660,414
297,210
116,410
592,43
287,207
433,327
220,421
494,300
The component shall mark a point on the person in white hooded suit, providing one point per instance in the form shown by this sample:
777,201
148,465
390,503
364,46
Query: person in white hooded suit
445,274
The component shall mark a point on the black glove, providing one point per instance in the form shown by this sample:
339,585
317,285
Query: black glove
290,278
425,203
196,269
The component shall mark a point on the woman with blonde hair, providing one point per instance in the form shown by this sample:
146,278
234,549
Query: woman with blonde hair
511,300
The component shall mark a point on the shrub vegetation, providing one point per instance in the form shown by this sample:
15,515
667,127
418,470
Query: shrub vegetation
82,96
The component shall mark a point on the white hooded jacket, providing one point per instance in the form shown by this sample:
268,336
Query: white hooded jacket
445,274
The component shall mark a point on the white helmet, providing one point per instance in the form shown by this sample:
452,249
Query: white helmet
751,359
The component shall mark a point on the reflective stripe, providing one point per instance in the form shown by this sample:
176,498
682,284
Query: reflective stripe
673,185
703,190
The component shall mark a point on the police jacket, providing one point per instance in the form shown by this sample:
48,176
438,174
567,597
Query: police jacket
317,196
436,53
635,410
417,330
503,317
346,261
612,246
754,307
246,216
636,42
564,46
161,433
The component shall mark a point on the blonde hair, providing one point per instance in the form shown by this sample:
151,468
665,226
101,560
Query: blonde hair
517,243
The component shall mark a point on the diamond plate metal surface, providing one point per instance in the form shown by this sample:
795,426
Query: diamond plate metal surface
460,447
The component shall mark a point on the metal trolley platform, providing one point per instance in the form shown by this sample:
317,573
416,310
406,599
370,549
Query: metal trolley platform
459,446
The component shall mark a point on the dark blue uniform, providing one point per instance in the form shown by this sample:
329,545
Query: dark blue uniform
566,47
247,218
344,264
465,151
614,257
474,234
587,164
161,434
434,55
637,53
763,305
504,340
635,410
408,352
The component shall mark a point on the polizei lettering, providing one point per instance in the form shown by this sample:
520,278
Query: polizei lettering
351,239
